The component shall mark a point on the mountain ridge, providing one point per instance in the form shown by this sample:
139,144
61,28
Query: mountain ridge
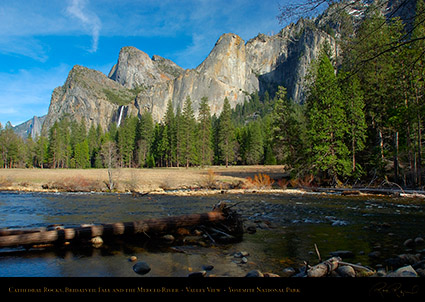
233,69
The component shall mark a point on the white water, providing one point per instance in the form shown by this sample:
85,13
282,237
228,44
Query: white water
120,117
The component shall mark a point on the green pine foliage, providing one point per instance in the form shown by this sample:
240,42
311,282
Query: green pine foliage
327,124
362,120
226,135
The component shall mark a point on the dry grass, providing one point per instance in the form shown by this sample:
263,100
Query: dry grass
140,180
260,181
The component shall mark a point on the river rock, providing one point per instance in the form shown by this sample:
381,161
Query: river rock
409,242
374,254
271,275
342,254
241,254
132,258
419,240
96,241
207,267
254,273
168,237
141,268
288,272
421,272
244,260
346,271
405,271
198,274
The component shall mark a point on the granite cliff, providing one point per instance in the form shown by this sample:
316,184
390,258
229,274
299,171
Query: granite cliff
233,69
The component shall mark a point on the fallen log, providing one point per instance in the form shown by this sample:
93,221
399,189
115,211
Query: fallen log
150,228
324,268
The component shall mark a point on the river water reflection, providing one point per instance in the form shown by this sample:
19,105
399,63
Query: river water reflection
287,226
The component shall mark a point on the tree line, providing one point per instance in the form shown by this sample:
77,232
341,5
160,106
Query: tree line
362,120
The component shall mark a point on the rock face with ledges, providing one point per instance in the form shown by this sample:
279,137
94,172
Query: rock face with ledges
233,70
90,95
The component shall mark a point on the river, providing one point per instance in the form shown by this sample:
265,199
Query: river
287,228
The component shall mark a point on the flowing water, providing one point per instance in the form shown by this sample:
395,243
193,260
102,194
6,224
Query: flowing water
287,228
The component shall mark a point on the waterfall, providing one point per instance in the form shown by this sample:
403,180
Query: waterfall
120,116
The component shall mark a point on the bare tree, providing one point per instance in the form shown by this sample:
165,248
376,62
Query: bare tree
109,157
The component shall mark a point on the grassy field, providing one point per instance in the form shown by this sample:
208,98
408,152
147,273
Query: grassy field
138,180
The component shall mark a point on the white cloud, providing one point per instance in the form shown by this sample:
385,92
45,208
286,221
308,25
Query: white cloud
89,20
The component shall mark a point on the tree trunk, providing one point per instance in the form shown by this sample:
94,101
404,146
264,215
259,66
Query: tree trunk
396,168
149,227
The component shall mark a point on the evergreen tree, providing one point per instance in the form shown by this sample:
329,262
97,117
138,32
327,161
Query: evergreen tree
126,140
41,151
188,126
356,123
287,131
179,136
81,155
144,137
170,122
205,133
254,150
328,154
226,136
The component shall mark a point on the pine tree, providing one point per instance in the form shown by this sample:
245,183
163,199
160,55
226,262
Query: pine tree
205,133
188,126
126,140
288,133
356,123
226,136
144,136
327,127
179,136
170,122
254,150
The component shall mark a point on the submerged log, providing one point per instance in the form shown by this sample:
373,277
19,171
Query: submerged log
150,227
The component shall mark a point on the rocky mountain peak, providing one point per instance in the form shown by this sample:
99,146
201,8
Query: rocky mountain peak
136,69
227,61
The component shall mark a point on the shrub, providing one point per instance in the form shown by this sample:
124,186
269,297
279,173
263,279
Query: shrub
210,180
260,181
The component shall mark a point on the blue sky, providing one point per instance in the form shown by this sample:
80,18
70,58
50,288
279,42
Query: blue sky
40,40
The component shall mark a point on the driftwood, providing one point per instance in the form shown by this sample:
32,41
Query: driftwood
326,268
221,215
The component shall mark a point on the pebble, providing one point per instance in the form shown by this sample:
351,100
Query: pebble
132,258
207,267
142,268
244,260
97,241
241,254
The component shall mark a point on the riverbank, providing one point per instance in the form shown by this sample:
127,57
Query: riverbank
175,181
132,180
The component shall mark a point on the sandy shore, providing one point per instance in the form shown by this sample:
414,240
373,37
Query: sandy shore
208,180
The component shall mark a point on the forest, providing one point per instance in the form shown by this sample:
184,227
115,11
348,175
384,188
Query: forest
361,122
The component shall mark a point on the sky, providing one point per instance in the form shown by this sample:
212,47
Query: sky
41,40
